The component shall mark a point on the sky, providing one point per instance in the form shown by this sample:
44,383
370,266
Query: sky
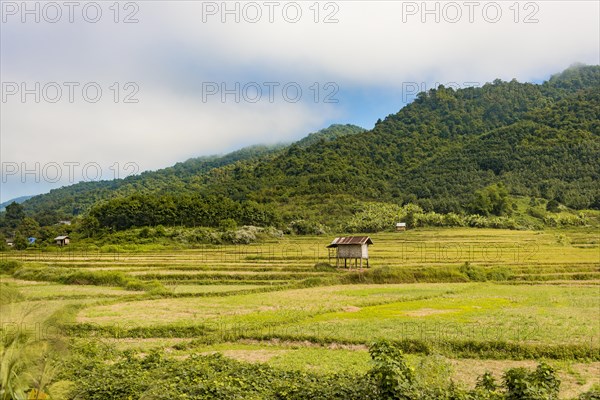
106,89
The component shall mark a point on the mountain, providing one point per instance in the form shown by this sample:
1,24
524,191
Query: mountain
18,200
438,152
76,199
539,140
329,134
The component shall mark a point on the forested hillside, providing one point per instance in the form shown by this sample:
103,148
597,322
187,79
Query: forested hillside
18,200
440,152
181,178
539,140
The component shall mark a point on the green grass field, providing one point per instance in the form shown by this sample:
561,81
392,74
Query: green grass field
534,295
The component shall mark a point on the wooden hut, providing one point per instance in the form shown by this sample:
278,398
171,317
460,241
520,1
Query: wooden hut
350,248
400,226
62,240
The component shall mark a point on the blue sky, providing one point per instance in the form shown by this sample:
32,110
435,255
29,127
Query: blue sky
161,73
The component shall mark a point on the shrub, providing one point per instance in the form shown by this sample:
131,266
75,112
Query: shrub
486,388
553,206
155,375
486,382
227,224
374,217
246,235
433,376
304,227
592,394
393,378
541,384
536,212
144,232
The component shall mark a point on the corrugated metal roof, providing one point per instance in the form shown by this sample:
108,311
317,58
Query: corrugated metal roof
61,237
350,240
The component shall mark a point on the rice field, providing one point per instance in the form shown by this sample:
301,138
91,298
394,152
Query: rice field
276,303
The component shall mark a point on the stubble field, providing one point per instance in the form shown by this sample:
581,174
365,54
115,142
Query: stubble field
470,299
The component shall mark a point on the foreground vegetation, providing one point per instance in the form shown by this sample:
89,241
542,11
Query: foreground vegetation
209,377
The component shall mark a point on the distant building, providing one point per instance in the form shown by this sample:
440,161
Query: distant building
62,240
350,248
65,222
10,242
400,226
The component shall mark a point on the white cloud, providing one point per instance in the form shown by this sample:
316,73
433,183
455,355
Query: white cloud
170,52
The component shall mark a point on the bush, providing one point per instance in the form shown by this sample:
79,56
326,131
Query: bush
158,376
486,388
536,213
565,219
553,206
393,378
246,235
228,224
592,394
21,242
541,384
433,376
144,232
304,227
374,217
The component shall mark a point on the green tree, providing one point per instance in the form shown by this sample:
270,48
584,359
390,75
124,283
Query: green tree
88,226
20,242
14,215
28,227
492,200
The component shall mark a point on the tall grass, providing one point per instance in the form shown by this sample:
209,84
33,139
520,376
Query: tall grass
81,277
26,363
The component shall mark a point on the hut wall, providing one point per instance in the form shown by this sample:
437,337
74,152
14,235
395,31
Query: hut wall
350,251
365,251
